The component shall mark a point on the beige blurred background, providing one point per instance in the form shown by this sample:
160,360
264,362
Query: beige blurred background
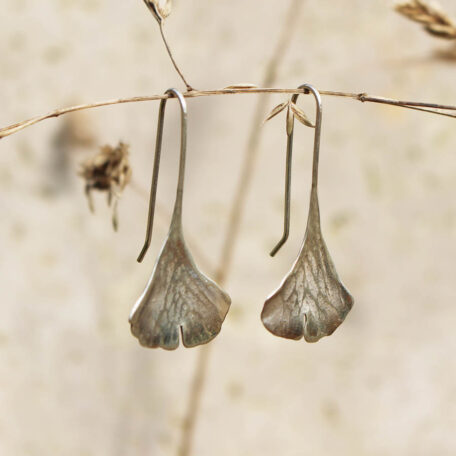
74,382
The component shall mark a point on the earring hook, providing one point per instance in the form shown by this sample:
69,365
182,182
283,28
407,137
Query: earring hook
316,156
177,214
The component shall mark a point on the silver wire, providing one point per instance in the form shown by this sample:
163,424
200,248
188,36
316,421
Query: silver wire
316,156
158,146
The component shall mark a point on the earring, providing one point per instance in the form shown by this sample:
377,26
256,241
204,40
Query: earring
311,301
178,297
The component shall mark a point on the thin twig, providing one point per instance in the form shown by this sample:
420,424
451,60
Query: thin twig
194,401
234,222
189,87
15,128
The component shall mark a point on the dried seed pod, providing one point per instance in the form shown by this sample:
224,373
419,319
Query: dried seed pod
292,112
299,114
161,9
277,110
442,31
242,85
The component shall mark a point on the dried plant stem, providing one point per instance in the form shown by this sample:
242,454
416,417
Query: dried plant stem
433,108
194,400
189,87
235,218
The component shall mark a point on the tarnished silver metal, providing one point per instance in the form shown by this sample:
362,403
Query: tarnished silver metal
286,222
178,297
311,302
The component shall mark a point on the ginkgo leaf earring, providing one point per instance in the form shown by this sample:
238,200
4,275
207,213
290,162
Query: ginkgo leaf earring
311,302
178,298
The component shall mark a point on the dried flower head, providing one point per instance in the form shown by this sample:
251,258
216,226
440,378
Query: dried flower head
108,171
161,9
435,21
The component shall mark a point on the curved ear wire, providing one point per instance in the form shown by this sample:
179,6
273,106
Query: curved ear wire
158,146
316,156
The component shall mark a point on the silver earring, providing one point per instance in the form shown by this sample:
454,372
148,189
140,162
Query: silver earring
178,297
311,302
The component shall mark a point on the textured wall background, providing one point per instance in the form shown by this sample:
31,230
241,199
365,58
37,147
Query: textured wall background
74,381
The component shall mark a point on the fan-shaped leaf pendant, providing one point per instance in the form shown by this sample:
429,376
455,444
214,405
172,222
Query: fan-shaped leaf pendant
178,298
311,301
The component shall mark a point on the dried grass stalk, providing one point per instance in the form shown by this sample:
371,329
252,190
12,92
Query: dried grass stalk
435,21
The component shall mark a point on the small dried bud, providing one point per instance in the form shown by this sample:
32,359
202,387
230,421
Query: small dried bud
108,171
161,9
292,112
277,110
242,85
299,114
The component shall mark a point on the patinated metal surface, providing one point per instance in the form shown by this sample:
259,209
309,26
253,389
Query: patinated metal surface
178,297
311,302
